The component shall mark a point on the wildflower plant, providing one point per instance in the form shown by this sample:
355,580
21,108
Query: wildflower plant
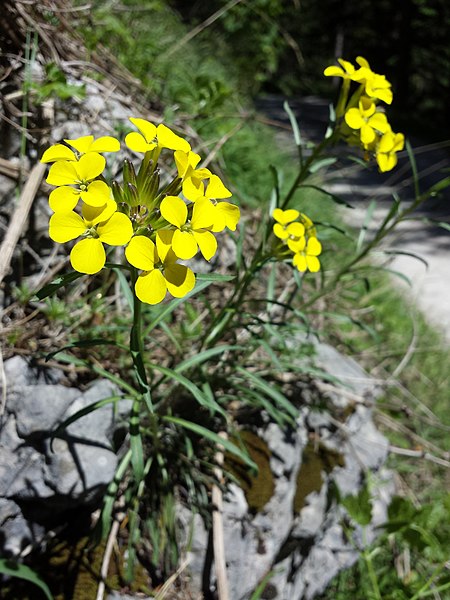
160,220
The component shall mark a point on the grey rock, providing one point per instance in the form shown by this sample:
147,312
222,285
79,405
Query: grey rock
39,408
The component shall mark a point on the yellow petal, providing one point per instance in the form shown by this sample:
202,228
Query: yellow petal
117,231
141,253
216,189
136,142
63,199
168,139
164,242
379,122
182,162
63,172
314,247
174,210
97,194
81,144
367,134
90,166
180,279
203,214
96,214
285,216
206,242
88,256
184,244
151,287
299,261
313,263
65,226
353,118
297,245
58,152
296,229
147,129
226,215
348,67
334,71
193,189
106,143
280,231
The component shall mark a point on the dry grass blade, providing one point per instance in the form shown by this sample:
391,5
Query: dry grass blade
19,217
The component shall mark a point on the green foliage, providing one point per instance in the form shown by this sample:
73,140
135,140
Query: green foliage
415,539
55,85
14,569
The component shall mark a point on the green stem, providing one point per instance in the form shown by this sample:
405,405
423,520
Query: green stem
232,307
137,348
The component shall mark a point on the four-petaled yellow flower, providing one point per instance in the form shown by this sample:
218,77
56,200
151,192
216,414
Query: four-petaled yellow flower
161,272
225,213
287,228
97,226
82,145
152,136
190,234
306,253
376,86
346,72
390,143
81,173
186,163
367,120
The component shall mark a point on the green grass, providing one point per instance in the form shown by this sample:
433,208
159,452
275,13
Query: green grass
366,318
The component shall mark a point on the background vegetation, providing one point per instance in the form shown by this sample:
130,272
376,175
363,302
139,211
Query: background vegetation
205,63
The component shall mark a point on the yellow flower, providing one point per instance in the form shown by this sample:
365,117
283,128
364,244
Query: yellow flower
287,228
97,226
186,165
346,72
161,272
81,174
190,234
306,253
367,120
225,213
82,145
376,86
389,144
150,137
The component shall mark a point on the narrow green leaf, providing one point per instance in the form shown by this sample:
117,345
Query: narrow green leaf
415,173
269,390
196,392
57,283
82,413
204,356
85,344
404,253
125,287
104,524
294,123
368,217
14,569
78,362
439,186
137,449
336,199
320,164
213,437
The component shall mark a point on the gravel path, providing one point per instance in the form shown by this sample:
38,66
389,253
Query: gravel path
430,284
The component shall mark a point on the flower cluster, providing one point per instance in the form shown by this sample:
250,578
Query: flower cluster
364,121
158,224
298,239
